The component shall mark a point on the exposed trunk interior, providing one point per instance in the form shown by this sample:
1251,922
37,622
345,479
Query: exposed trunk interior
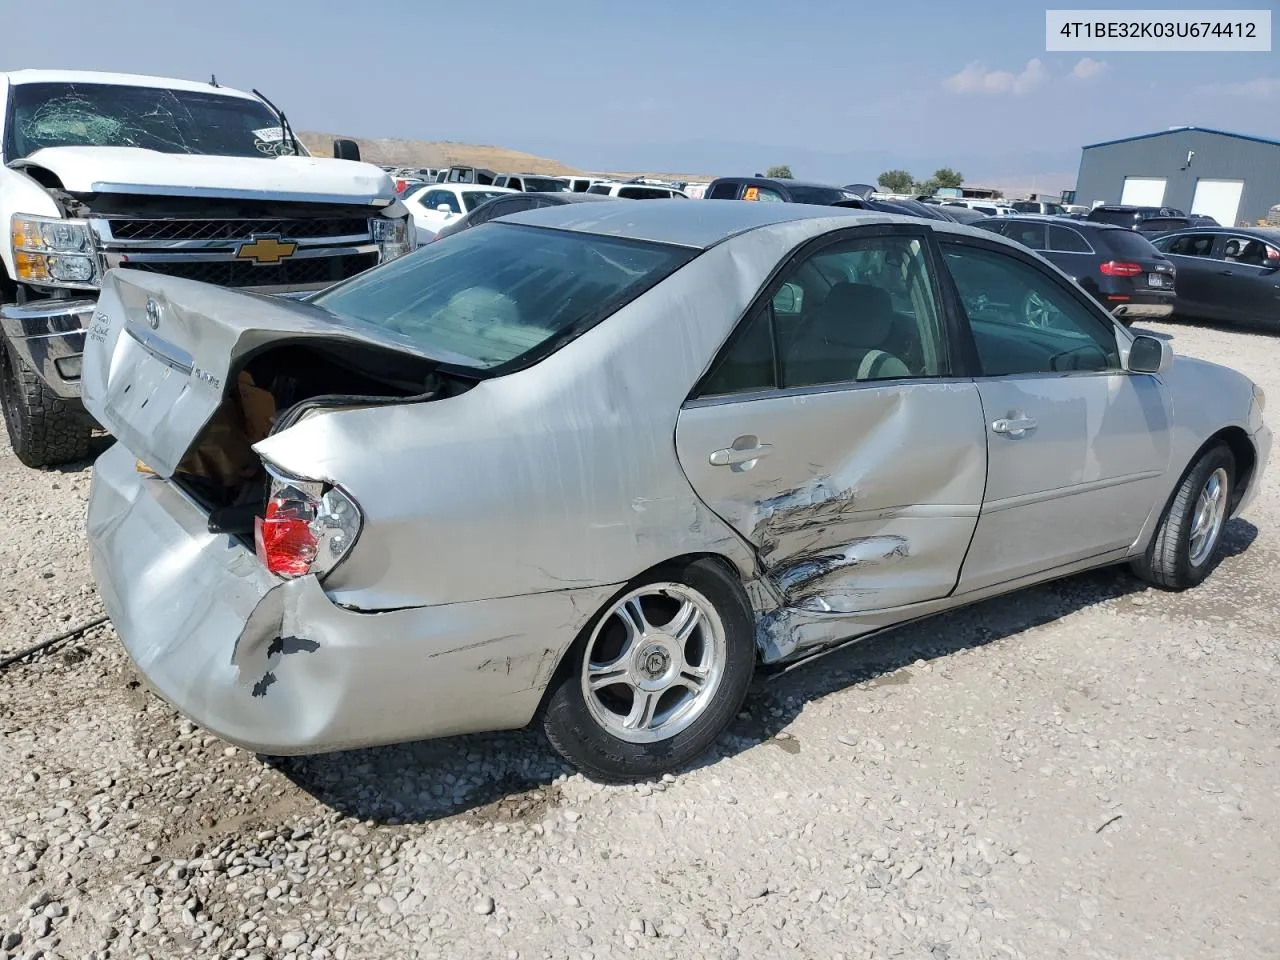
272,390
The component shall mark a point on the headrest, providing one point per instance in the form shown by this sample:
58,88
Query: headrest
856,313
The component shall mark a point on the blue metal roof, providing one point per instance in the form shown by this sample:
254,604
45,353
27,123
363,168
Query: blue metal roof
1165,133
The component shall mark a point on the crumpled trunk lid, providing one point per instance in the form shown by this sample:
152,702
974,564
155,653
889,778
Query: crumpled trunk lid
161,353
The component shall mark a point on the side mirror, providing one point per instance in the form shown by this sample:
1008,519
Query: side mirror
1149,355
346,150
444,208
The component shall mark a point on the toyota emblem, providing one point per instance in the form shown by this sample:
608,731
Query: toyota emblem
153,313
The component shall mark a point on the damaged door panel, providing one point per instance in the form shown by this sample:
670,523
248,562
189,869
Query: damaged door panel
869,494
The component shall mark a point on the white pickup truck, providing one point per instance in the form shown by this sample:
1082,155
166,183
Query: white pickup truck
187,179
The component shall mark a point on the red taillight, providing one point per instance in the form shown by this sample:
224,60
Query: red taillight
306,528
1118,268
284,539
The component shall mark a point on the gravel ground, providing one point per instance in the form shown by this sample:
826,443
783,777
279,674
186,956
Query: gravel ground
1087,769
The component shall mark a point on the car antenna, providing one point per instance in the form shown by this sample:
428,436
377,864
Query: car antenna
285,129
213,79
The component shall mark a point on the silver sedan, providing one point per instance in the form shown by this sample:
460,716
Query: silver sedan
596,463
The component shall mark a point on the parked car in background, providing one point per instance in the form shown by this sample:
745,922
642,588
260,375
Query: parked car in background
1232,275
465,174
1149,220
985,207
493,491
634,191
1038,206
1117,267
514,202
531,182
434,205
1201,220
771,190
906,208
962,214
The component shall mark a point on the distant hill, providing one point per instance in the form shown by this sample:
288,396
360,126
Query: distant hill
444,153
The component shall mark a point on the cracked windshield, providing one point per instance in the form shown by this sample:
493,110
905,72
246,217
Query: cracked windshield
150,118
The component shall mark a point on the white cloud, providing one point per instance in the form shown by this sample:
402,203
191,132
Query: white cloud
1259,88
976,78
1088,68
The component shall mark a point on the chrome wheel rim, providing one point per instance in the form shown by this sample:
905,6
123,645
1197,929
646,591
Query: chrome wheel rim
654,663
1206,521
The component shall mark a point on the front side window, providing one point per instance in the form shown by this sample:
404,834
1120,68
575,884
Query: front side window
1022,321
150,118
643,193
601,188
502,292
1250,251
545,184
857,310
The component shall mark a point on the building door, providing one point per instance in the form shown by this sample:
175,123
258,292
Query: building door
1219,199
1143,192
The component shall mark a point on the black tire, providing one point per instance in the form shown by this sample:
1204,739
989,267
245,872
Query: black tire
44,429
578,737
1168,562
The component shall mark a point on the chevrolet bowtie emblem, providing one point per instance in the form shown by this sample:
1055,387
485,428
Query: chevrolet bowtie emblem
266,250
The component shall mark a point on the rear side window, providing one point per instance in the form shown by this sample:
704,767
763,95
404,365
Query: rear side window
502,292
1030,235
1124,243
599,188
725,190
643,193
1066,240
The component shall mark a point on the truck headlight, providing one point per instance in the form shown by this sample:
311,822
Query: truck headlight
394,237
53,253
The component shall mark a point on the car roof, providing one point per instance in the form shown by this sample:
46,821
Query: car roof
18,77
782,182
1060,221
1271,235
698,225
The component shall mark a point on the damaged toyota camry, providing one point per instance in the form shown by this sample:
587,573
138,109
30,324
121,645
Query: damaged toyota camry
594,464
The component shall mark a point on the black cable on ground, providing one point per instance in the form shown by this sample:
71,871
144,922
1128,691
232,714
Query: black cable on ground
45,644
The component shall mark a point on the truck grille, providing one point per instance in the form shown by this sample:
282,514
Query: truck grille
323,248
288,273
234,230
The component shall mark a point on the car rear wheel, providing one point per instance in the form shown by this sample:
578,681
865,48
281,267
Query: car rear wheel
656,675
1182,551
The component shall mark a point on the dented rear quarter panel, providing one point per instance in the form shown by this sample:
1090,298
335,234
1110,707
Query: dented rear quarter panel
564,475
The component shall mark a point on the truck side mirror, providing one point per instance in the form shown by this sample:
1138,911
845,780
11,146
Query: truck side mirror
346,150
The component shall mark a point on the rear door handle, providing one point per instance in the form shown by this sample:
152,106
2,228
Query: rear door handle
1013,426
744,450
1225,273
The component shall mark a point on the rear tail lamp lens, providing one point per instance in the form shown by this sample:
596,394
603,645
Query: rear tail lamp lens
306,528
1118,268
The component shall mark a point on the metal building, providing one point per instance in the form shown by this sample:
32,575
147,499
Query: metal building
1231,177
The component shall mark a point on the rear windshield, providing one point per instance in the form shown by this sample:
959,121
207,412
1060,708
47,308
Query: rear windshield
819,195
1124,218
545,185
501,292
1126,243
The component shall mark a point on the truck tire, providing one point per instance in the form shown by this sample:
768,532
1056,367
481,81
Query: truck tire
44,429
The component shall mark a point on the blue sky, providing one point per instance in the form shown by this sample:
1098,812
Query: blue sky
839,90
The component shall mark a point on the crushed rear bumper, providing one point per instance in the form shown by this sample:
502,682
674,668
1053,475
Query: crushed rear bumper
275,666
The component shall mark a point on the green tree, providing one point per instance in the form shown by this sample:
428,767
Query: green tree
780,172
896,181
946,177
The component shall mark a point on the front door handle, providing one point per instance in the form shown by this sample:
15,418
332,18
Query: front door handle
744,450
1225,273
1013,426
